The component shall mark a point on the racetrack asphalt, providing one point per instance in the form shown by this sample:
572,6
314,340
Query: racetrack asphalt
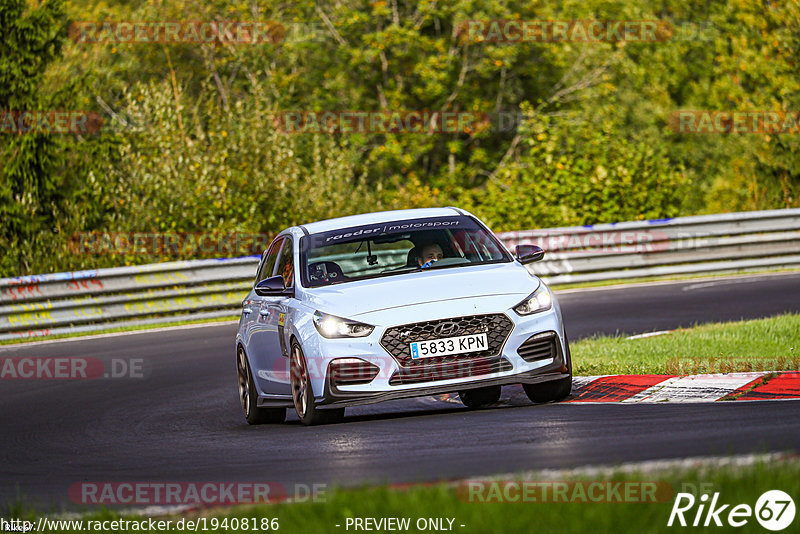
182,421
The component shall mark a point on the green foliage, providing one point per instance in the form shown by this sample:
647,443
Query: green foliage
189,165
33,197
189,143
31,40
574,172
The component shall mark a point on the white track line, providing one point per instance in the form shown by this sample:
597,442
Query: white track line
671,282
650,334
117,334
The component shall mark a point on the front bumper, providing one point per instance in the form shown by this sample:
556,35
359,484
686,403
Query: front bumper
508,367
336,397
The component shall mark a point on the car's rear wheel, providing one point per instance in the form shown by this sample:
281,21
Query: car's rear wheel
476,398
303,395
554,390
248,396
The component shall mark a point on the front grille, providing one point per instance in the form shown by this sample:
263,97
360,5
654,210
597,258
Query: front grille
496,326
448,371
541,346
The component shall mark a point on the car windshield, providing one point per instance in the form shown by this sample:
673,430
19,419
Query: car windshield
395,248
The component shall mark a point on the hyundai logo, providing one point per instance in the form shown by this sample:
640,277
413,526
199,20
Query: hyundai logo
446,329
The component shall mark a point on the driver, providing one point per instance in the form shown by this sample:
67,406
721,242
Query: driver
429,254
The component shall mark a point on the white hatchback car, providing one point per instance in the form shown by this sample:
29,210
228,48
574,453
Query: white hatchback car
395,304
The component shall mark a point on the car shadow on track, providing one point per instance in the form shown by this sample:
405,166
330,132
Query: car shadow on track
411,413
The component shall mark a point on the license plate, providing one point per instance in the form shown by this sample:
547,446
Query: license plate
448,345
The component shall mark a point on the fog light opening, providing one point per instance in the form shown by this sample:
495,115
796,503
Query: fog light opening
351,371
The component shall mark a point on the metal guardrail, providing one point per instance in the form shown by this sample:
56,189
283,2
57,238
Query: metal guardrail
730,242
86,301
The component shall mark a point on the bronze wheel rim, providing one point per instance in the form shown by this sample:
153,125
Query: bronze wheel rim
244,382
299,382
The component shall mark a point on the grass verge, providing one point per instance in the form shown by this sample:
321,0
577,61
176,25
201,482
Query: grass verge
771,344
568,512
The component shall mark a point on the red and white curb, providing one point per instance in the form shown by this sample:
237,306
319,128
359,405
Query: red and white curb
630,389
637,389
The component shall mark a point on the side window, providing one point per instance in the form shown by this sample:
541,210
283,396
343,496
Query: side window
286,263
268,265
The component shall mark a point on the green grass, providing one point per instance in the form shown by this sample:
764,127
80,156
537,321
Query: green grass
736,485
771,344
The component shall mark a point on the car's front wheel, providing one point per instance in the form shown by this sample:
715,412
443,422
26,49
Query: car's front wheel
476,398
553,390
303,396
248,396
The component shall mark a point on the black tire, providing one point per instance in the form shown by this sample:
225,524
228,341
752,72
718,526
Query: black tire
248,396
554,390
303,395
476,398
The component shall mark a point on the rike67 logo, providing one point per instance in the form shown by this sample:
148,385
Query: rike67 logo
774,510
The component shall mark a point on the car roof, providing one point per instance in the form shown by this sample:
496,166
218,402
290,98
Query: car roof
380,217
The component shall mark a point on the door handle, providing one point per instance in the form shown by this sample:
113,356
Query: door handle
263,313
246,311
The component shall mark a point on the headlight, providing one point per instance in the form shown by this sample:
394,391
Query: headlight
539,301
331,326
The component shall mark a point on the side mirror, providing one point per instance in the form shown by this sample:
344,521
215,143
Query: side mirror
529,253
273,287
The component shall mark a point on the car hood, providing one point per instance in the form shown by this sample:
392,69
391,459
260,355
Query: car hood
354,299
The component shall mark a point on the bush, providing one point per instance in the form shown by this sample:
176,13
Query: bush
575,172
